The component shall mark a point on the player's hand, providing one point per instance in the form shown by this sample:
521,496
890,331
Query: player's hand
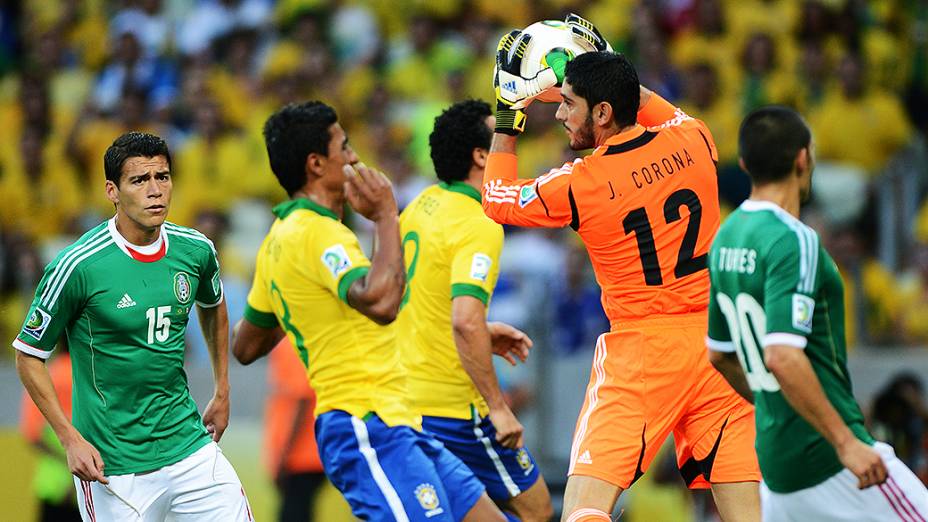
509,342
583,28
864,462
216,415
84,461
508,428
513,91
369,192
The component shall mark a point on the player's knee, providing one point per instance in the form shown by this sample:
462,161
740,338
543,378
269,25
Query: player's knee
588,515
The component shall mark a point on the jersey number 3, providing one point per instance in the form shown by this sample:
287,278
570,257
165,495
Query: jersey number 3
637,222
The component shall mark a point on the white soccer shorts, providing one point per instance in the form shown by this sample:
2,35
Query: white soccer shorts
902,498
201,487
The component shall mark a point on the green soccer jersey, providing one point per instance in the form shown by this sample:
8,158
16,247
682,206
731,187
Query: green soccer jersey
773,284
124,314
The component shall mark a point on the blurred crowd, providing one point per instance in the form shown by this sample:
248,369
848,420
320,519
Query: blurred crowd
204,74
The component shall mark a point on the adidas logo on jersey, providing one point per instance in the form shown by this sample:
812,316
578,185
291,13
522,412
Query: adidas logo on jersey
125,302
585,458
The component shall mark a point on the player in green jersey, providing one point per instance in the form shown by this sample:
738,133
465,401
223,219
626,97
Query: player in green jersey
120,296
776,332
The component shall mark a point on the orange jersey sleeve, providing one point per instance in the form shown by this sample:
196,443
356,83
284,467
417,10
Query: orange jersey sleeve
545,201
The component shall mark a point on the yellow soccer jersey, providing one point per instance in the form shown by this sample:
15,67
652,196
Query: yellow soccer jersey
451,249
304,269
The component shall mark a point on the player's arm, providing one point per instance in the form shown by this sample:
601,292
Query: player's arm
258,332
378,293
804,392
214,322
83,459
791,284
722,348
58,300
472,338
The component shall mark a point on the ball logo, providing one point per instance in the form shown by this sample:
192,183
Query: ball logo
182,290
428,499
37,323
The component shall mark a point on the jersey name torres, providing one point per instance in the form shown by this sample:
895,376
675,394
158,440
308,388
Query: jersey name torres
645,204
773,284
451,249
304,269
124,320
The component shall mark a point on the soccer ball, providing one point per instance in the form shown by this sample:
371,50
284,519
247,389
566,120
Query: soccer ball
553,44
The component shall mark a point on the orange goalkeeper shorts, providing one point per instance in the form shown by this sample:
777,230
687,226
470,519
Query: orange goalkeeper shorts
651,378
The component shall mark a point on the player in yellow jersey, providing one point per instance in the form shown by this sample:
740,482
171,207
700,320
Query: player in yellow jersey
452,257
313,283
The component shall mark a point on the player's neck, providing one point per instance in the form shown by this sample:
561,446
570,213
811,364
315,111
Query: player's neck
328,199
601,135
784,195
134,233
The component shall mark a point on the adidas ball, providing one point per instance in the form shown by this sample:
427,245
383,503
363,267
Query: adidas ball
553,44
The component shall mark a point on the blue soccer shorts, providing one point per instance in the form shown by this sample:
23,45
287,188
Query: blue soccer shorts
393,473
505,472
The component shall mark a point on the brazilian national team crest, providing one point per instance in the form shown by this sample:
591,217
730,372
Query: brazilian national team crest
525,462
428,499
182,289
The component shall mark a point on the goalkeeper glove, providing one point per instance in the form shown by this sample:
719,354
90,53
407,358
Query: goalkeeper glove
513,91
583,28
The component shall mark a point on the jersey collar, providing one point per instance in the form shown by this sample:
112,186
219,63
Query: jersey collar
287,207
627,140
147,253
461,188
753,205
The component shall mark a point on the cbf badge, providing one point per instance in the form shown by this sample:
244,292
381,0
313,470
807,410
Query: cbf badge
182,287
525,462
428,499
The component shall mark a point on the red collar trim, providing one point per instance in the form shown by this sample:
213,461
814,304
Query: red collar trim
148,258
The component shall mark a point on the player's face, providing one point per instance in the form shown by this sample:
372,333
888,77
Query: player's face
340,154
574,114
144,191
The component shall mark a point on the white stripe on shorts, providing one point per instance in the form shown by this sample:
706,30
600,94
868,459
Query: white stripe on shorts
511,486
370,455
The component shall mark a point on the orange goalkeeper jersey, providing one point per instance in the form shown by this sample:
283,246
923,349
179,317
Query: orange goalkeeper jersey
645,204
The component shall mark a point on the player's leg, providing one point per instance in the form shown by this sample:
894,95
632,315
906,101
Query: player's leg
626,416
205,487
137,497
511,476
715,442
467,495
298,494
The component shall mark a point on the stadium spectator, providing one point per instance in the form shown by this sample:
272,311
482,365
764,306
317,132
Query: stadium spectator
899,416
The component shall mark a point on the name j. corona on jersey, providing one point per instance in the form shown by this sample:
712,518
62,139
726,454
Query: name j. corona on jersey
650,174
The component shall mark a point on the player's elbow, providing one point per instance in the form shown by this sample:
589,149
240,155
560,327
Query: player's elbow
718,359
779,359
466,325
382,312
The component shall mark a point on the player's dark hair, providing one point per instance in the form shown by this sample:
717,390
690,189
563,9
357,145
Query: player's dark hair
606,77
132,145
769,140
459,130
293,133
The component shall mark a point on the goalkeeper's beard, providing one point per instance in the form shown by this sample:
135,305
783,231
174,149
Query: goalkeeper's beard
583,137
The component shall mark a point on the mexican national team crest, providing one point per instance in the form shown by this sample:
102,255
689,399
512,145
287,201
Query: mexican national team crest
525,462
37,323
428,499
182,289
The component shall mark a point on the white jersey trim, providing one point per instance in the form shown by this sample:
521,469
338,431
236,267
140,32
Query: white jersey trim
592,397
720,346
222,296
31,350
383,483
49,301
511,486
808,241
784,338
145,250
65,262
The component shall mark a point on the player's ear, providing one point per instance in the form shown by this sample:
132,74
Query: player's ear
112,192
802,161
479,157
602,114
741,165
314,164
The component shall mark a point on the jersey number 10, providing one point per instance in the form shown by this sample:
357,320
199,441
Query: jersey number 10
637,222
747,323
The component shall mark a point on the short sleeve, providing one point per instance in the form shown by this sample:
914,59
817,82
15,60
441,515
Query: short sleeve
209,292
719,335
475,259
339,257
258,308
58,300
790,286
541,202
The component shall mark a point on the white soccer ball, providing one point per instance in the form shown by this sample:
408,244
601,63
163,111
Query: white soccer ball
552,41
